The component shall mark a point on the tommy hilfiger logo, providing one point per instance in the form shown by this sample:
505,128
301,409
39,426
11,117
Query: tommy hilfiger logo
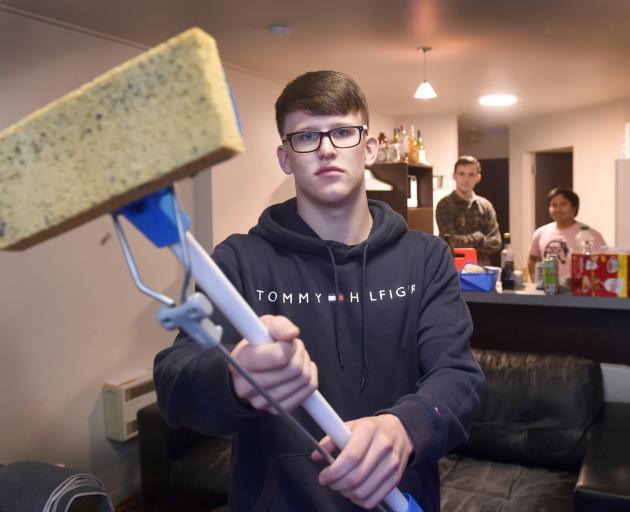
318,298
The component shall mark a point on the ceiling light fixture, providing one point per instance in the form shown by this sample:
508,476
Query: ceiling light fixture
279,30
425,91
498,100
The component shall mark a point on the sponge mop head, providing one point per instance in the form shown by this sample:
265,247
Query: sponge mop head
153,120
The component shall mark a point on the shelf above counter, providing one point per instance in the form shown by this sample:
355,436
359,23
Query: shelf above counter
397,175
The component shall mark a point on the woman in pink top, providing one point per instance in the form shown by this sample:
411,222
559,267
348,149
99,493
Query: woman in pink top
558,237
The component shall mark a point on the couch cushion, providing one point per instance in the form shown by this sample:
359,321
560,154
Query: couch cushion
472,485
535,409
202,474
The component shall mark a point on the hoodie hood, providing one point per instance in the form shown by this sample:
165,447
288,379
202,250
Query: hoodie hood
281,225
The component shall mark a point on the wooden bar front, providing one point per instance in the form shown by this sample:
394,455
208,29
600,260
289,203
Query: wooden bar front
594,327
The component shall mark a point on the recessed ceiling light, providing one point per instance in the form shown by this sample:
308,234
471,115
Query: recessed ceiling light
279,30
498,100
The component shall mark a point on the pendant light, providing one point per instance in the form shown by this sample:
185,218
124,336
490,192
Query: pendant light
425,91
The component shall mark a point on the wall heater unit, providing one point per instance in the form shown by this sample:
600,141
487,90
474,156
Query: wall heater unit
122,400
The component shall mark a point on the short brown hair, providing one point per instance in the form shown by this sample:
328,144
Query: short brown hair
321,93
467,160
569,195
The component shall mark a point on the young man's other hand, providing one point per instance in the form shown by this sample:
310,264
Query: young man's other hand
373,461
284,368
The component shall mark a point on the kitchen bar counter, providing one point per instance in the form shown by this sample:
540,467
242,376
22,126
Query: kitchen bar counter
528,320
530,296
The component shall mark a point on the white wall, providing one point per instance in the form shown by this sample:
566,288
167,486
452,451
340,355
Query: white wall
485,142
595,134
69,316
243,186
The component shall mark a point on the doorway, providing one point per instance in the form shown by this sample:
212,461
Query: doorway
552,169
495,186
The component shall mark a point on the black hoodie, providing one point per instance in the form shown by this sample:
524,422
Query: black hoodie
384,322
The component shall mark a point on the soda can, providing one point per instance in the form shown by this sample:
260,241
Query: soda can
539,276
550,275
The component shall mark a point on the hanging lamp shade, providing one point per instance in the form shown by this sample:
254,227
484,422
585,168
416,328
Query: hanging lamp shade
425,90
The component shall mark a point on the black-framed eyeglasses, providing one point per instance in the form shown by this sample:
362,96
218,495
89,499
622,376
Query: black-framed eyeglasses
340,137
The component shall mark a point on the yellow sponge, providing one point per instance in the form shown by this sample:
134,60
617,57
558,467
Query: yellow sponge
153,120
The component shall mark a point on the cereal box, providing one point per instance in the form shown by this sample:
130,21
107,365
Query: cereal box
613,275
599,275
584,274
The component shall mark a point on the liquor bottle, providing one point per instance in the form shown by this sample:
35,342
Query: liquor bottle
402,138
507,263
381,156
393,154
412,146
422,154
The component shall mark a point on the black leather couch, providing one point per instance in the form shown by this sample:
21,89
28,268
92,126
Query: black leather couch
181,470
544,441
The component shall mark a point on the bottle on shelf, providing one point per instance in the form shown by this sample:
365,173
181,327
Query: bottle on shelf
381,156
402,139
412,146
393,153
507,263
584,241
422,154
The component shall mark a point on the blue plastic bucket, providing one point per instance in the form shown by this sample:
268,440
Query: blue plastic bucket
482,282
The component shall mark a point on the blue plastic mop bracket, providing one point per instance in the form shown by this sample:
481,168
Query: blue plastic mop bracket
154,216
412,505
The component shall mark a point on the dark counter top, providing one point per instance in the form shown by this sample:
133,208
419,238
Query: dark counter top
529,296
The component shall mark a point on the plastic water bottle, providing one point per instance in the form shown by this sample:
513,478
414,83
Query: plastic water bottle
584,241
507,264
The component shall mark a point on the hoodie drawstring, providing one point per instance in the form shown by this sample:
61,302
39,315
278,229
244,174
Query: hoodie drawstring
364,317
364,336
336,312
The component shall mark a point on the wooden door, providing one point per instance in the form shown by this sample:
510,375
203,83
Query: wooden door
495,186
553,169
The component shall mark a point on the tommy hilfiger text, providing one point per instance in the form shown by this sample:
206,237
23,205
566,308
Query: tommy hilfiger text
309,297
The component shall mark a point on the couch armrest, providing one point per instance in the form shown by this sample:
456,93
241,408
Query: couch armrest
604,480
160,446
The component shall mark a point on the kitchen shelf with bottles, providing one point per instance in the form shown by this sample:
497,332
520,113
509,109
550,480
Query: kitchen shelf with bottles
412,184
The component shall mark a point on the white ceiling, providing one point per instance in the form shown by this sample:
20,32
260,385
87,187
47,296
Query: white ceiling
553,54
